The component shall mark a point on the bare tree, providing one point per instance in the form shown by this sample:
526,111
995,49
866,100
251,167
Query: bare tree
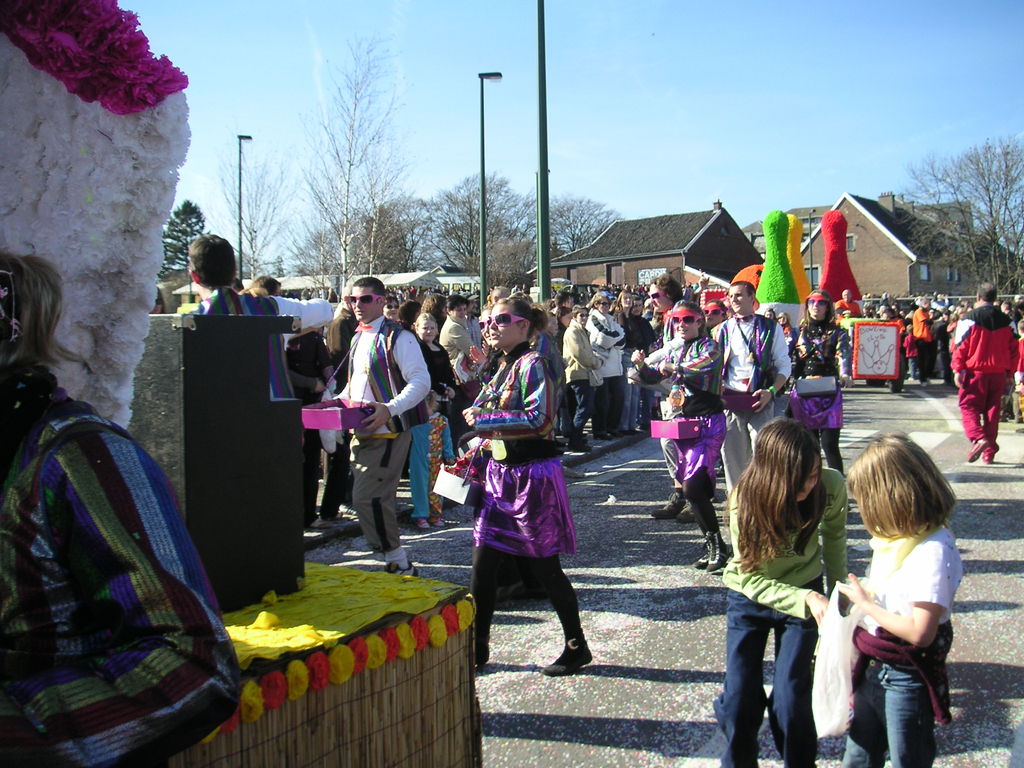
398,231
576,222
267,190
975,216
455,225
314,253
357,167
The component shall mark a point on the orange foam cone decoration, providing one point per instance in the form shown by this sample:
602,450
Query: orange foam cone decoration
796,261
836,275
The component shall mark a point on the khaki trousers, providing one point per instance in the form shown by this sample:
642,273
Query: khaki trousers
376,470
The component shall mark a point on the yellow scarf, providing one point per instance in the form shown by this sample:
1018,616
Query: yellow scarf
889,554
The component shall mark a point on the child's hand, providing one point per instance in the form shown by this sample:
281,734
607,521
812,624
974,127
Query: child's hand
817,604
855,591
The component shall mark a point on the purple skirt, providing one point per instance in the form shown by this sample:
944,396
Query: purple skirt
700,454
525,510
824,412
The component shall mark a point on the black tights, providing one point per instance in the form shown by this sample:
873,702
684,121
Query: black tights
547,570
828,439
699,490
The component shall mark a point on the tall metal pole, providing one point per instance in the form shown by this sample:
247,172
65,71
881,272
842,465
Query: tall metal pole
241,138
810,245
543,222
483,189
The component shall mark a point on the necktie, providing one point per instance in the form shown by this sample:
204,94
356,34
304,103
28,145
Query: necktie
364,327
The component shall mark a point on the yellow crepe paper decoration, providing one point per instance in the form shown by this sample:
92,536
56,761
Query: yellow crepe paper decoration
251,701
335,603
465,610
377,651
438,631
406,642
342,663
298,679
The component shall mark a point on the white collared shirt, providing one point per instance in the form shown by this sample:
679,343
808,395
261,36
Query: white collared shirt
739,369
409,359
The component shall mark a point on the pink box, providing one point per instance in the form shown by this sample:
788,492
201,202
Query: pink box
677,429
318,417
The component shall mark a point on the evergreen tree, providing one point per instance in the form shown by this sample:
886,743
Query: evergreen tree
185,225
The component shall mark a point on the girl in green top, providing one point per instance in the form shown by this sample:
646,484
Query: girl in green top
787,514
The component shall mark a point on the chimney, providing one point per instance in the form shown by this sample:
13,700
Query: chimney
717,205
888,201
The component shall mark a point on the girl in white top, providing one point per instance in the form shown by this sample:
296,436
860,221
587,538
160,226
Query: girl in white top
905,503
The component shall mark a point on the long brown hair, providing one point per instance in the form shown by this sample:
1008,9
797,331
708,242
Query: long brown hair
785,456
35,300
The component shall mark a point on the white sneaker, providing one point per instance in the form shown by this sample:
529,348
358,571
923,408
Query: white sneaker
320,523
437,524
422,524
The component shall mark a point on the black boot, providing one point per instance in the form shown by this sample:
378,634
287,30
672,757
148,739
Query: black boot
575,655
672,507
717,554
482,651
702,563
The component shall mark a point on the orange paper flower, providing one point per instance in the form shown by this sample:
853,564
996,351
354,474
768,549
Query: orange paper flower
359,654
319,671
420,632
451,619
275,689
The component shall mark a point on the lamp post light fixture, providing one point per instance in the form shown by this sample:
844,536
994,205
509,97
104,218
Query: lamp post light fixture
483,188
241,138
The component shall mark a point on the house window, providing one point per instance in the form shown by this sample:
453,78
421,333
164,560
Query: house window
953,275
851,242
812,276
924,272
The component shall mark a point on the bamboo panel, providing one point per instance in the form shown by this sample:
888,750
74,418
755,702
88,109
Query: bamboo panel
412,712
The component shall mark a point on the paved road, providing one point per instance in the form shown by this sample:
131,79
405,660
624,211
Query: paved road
657,627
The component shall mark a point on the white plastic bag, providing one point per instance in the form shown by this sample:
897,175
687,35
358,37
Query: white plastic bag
832,694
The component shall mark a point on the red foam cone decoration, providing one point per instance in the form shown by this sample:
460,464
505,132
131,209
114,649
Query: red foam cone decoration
836,276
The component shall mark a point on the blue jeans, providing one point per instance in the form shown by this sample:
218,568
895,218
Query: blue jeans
740,707
891,713
630,406
583,399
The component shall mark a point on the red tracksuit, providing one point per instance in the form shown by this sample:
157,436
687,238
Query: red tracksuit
984,354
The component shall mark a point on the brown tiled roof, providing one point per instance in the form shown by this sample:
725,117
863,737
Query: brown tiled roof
637,237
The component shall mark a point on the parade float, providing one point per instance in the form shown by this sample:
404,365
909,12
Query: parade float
876,344
340,666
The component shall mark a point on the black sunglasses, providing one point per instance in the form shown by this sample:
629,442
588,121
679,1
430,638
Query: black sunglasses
366,298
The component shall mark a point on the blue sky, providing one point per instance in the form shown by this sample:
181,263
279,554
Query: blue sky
654,107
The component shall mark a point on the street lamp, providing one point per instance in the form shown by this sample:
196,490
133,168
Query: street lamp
810,244
241,138
483,188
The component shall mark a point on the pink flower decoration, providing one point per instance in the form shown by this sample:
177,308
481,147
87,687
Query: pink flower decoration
95,49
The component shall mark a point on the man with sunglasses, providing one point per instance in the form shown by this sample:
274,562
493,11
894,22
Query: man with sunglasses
756,362
387,372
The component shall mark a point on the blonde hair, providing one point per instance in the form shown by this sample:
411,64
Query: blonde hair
37,306
899,490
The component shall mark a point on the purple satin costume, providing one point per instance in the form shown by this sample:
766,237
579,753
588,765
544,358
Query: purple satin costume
525,510
818,412
701,453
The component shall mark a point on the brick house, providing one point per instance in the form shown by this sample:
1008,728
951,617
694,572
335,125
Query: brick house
880,245
635,251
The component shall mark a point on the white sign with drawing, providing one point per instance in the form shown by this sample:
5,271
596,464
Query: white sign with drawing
876,350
